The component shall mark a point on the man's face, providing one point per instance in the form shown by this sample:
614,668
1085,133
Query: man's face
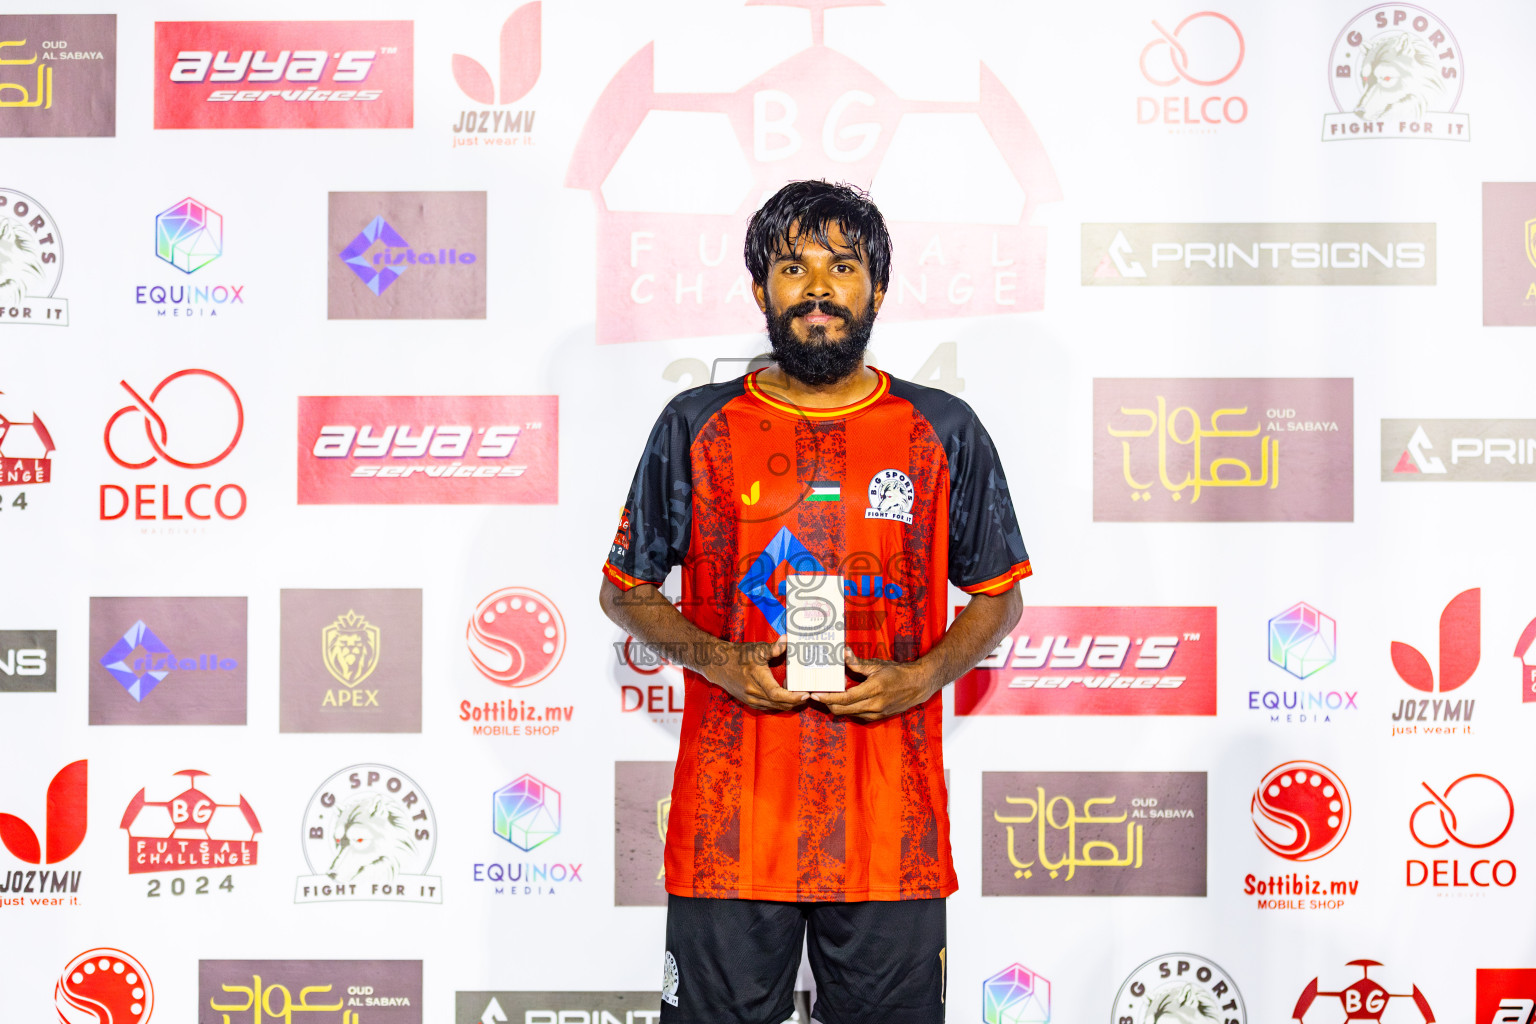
820,304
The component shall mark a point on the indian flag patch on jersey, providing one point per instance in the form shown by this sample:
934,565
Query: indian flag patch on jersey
825,490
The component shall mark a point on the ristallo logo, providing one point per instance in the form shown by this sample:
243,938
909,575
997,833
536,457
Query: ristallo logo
1098,661
31,263
186,832
1506,995
192,420
429,450
675,177
1301,811
189,235
406,256
168,661
1189,63
104,986
493,122
1461,648
283,74
1364,999
64,822
1396,72
60,75
1474,813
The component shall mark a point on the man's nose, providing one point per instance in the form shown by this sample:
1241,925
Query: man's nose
818,286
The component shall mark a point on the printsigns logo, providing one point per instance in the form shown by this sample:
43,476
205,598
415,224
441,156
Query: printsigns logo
104,986
516,636
1509,253
1203,51
31,263
369,834
1258,254
642,803
605,1007
407,256
429,450
26,453
526,812
1506,995
1300,810
389,990
168,661
276,74
1468,450
1093,833
1474,812
59,75
350,661
1223,450
1180,987
1098,661
190,831
29,660
518,70
1016,995
1396,72
1303,640
1365,999
675,177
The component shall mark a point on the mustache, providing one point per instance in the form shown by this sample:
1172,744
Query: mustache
818,306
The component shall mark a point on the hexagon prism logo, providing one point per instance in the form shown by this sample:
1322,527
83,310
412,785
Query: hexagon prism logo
674,178
1016,995
527,812
1302,640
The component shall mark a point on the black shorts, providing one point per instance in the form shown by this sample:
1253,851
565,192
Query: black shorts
735,961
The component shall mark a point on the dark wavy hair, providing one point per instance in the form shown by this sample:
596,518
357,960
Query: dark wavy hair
812,207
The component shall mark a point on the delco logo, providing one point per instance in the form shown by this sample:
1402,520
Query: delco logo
1123,661
269,74
428,450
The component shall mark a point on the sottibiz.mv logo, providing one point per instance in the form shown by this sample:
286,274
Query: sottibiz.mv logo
429,450
104,986
283,74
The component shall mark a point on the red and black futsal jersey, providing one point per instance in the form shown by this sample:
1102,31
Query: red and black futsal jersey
900,493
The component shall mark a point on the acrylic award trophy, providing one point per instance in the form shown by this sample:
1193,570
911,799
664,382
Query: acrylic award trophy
814,632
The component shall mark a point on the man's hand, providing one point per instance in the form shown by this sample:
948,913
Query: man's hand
745,675
889,688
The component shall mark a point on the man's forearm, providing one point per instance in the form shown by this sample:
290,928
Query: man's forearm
975,633
653,620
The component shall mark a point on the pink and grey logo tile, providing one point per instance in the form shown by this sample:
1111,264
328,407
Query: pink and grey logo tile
168,661
350,661
407,256
642,801
58,75
1509,254
1211,449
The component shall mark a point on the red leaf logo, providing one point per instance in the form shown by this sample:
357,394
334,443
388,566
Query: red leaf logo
65,827
1461,647
520,60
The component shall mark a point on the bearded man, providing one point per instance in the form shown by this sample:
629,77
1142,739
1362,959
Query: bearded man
816,818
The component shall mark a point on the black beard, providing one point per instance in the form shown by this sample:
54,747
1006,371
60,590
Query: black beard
817,362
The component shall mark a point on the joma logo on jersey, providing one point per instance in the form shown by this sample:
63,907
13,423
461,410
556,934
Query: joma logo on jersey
399,442
285,65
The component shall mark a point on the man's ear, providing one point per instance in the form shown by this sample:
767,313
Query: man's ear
879,297
761,296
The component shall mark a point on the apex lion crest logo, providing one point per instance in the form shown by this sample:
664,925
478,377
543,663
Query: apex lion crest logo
350,648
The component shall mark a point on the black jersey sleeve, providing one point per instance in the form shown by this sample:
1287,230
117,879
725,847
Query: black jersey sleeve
657,521
986,550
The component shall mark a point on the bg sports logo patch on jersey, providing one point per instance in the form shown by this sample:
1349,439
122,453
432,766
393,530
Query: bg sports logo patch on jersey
275,74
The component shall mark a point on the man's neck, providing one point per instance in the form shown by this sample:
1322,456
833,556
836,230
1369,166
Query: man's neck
857,385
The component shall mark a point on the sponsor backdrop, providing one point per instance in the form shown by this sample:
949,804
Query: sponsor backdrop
329,339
